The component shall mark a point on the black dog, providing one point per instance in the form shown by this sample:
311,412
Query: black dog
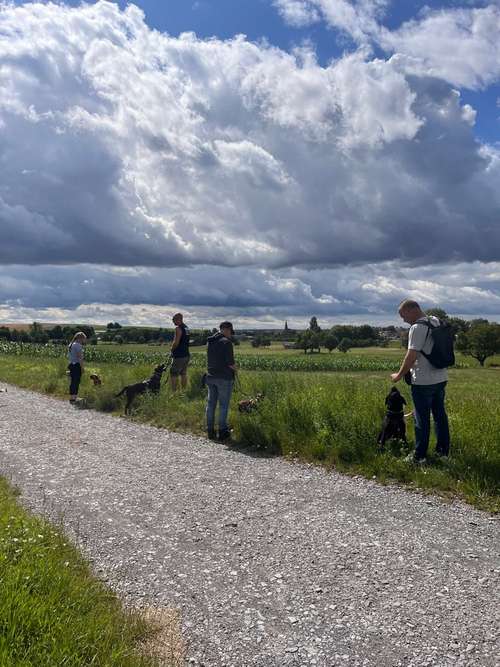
152,384
394,422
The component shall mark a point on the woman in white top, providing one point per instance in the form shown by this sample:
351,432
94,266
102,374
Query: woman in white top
75,366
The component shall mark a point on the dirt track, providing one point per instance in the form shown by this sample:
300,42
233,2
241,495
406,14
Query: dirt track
270,563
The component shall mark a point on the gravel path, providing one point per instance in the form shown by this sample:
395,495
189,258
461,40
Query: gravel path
270,563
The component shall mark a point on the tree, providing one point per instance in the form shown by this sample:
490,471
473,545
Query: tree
480,341
304,341
437,312
37,334
344,345
313,325
315,341
458,325
330,342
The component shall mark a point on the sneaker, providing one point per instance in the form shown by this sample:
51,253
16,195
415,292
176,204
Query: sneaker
441,455
224,435
412,459
212,435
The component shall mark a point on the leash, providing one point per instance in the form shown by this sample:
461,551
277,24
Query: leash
237,383
168,368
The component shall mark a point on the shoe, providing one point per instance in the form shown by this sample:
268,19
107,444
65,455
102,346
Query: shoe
441,455
224,435
212,435
412,459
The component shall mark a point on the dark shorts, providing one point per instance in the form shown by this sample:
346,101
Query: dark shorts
179,366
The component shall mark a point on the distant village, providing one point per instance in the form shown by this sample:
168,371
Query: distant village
312,336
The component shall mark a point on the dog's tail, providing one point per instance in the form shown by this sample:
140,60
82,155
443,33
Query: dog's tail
122,392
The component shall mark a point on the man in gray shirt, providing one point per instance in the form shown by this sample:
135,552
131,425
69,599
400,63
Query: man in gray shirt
428,383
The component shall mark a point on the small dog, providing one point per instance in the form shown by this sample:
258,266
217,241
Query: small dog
394,423
95,379
151,384
249,404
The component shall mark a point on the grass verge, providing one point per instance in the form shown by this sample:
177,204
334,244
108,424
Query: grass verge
329,418
53,612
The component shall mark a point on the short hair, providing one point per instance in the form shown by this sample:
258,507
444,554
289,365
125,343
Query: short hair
408,304
177,316
226,325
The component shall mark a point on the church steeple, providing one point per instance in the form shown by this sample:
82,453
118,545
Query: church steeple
286,325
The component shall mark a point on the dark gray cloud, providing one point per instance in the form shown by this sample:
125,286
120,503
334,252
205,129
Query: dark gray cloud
368,292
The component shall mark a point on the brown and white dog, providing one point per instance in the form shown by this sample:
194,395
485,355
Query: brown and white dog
250,404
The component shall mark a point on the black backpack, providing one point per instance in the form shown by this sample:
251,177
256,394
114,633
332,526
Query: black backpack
442,354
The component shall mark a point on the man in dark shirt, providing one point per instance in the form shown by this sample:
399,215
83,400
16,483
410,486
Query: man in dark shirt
220,377
179,352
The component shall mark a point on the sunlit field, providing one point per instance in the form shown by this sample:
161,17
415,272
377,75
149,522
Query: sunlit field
332,418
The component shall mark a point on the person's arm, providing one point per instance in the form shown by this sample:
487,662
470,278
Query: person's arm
230,358
408,361
79,356
177,339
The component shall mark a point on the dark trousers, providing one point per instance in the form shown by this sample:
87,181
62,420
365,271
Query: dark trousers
75,371
427,399
219,391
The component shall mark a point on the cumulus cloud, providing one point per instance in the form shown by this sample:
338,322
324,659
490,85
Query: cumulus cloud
461,46
357,18
149,170
298,13
125,146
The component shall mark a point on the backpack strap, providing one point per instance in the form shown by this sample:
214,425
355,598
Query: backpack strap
429,327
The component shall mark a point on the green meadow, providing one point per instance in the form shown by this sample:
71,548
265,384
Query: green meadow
53,612
325,408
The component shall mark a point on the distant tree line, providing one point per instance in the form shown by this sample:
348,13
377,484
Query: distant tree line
36,333
476,338
341,337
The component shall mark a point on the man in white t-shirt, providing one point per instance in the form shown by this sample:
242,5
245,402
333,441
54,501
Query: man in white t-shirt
428,383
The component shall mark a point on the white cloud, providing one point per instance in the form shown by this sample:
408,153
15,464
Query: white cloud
298,13
124,146
140,148
357,18
461,46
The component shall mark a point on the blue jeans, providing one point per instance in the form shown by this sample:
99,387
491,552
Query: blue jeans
219,391
429,398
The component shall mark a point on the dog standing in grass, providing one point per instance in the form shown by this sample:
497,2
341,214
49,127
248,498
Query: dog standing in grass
151,384
393,426
250,404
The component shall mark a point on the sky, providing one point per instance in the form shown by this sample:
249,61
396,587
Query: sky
253,160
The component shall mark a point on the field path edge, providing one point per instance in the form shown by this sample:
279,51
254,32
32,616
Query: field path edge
270,563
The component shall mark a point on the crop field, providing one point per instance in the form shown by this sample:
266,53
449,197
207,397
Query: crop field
324,408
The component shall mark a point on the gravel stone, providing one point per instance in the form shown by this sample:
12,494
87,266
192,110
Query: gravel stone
272,564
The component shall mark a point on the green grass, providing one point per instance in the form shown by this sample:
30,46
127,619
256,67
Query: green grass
53,612
331,418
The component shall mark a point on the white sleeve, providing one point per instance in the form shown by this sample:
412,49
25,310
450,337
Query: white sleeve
417,337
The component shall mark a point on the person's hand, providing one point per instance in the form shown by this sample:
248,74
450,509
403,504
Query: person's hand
395,377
